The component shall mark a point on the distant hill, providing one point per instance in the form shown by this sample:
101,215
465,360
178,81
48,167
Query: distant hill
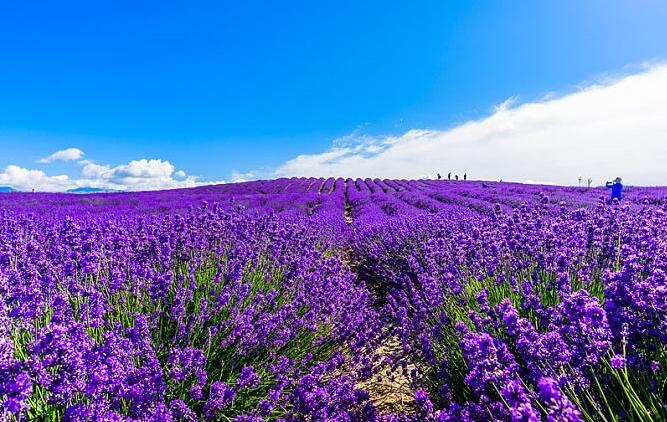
87,189
4,189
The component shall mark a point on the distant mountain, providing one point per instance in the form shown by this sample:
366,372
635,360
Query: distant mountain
7,189
87,189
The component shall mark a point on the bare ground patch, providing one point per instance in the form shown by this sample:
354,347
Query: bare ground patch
390,389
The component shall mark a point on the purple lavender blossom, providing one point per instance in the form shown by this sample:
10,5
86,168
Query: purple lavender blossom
168,305
560,408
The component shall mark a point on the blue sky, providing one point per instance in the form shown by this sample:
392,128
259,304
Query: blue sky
221,88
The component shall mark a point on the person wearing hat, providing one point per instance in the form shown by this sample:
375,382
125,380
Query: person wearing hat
616,189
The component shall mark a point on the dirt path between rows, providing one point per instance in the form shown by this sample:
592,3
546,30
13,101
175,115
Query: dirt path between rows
390,390
348,205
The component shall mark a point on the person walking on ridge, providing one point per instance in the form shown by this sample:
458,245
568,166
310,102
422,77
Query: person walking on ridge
616,188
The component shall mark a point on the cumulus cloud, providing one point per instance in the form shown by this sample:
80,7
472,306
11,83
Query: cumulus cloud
238,177
142,174
610,128
26,179
69,154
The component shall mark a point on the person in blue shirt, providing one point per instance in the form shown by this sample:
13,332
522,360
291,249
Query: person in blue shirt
616,189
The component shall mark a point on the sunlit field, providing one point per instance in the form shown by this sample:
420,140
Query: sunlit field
331,299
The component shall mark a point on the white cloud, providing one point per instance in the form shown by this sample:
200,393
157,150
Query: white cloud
244,177
607,128
506,105
145,169
142,174
25,179
95,171
69,154
618,127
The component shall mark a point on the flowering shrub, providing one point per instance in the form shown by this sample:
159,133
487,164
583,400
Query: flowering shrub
541,312
271,300
211,313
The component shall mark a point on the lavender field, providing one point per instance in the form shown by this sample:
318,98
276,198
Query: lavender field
331,299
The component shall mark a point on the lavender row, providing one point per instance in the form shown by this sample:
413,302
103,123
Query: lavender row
271,300
208,314
535,314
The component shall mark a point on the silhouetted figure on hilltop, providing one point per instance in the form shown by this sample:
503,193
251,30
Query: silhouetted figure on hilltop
616,188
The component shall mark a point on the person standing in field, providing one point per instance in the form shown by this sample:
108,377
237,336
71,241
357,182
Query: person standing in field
616,188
